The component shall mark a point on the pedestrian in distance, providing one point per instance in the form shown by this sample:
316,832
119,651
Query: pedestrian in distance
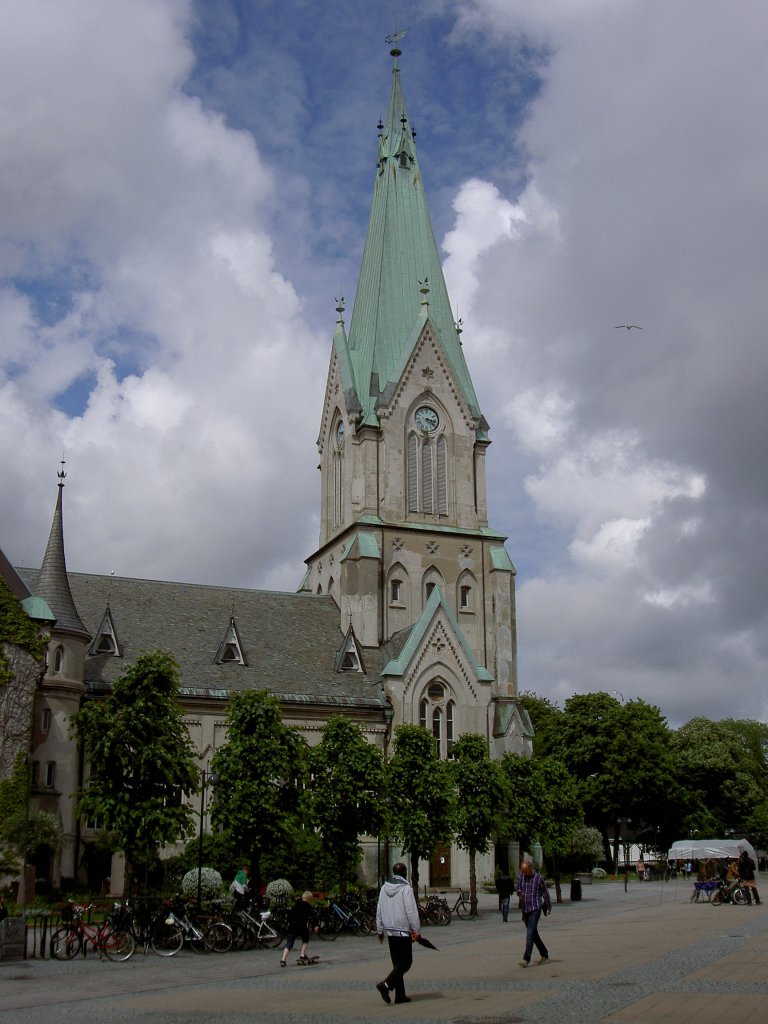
302,921
746,869
534,900
504,887
241,886
397,917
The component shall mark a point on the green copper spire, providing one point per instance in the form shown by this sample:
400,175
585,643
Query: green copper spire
401,280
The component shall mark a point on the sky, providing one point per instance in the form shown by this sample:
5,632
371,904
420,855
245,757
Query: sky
184,191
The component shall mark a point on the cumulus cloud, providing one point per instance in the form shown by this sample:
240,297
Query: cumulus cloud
639,449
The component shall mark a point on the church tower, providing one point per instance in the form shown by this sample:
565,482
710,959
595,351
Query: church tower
405,547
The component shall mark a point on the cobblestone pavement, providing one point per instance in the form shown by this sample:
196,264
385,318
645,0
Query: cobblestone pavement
638,957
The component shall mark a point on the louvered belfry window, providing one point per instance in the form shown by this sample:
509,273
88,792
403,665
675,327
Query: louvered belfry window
427,475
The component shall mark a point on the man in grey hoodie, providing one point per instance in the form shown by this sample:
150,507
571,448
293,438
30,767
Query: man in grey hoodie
397,917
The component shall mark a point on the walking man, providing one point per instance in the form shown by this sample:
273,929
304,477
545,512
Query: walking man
397,917
534,897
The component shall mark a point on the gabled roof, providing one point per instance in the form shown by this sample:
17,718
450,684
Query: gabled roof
406,643
401,282
292,640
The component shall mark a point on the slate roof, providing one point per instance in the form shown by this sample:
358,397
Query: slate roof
290,641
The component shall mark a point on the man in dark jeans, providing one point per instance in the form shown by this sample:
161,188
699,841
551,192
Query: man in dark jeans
534,897
397,917
504,887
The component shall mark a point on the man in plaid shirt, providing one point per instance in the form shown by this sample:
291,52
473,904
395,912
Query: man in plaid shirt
534,897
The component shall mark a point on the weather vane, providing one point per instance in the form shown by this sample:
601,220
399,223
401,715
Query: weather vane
393,40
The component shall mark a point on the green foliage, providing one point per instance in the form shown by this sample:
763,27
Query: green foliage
419,794
17,628
22,829
546,718
141,759
480,793
621,756
261,770
344,800
723,771
587,842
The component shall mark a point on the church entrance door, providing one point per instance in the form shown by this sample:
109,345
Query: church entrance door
440,867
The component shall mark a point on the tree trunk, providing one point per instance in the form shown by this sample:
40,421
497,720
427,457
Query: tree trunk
473,883
415,874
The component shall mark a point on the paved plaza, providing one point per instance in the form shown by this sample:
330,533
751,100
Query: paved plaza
637,957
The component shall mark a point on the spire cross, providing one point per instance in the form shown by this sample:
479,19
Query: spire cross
61,474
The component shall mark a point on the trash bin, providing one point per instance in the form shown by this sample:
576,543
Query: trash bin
575,889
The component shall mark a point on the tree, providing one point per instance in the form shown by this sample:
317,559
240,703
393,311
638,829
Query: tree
620,754
347,776
546,718
479,792
722,770
260,771
23,830
543,805
419,795
22,653
141,760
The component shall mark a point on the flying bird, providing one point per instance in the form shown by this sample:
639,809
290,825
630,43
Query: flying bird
629,327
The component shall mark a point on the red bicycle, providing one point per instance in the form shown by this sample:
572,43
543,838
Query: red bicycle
114,943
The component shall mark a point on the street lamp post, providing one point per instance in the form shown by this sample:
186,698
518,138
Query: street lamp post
205,778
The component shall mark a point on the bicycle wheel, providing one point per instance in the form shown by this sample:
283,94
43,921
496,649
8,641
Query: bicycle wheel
717,897
443,914
196,939
268,937
330,926
166,939
65,944
463,908
218,937
118,945
740,897
363,923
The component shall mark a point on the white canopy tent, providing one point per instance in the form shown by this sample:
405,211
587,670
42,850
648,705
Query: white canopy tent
704,849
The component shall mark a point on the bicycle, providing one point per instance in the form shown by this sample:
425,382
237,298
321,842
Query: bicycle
435,911
158,931
114,943
201,937
462,907
338,915
249,931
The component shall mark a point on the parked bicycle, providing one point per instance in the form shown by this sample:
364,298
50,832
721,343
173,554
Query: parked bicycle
202,935
435,911
114,943
251,927
157,930
462,907
344,914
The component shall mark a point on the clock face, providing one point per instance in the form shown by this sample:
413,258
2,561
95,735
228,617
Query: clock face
340,433
426,418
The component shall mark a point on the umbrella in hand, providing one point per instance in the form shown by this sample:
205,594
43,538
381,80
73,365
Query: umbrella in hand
426,943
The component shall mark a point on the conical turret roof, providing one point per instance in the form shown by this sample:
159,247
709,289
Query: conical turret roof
401,277
52,582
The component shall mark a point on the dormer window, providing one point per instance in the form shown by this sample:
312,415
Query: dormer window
105,638
348,657
231,650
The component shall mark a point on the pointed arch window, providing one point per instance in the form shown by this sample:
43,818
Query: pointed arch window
58,660
437,714
337,481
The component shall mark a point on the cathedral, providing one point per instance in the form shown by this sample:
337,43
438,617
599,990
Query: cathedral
406,611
